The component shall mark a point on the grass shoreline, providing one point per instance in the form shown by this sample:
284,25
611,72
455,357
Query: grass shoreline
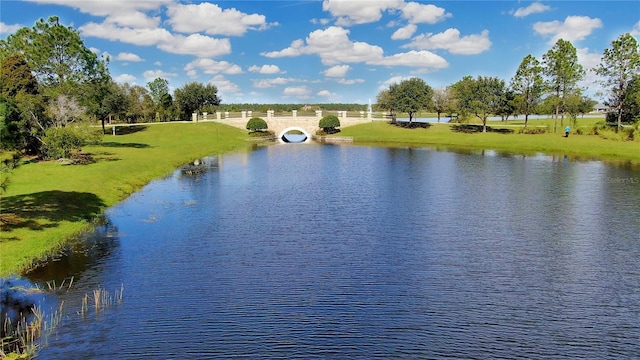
440,136
51,203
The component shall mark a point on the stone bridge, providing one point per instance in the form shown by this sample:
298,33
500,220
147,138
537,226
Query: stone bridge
281,125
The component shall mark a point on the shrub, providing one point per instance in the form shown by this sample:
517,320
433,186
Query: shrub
534,130
63,142
256,124
329,124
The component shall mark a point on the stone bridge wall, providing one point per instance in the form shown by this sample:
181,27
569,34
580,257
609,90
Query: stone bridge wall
278,124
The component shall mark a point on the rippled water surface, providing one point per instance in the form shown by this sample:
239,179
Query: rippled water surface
344,252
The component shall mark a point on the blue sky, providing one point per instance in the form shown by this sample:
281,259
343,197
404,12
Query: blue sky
327,51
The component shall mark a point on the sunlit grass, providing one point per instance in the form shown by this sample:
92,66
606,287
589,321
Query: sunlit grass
441,135
47,203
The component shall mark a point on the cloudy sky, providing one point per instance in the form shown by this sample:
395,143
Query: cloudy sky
290,51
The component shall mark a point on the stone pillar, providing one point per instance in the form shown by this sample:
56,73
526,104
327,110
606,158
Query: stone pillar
250,114
294,113
369,115
218,115
361,114
194,117
244,115
204,116
226,114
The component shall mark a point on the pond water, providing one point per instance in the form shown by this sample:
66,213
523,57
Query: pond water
347,252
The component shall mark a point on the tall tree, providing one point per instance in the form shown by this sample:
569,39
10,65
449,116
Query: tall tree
563,72
410,96
22,106
528,85
157,89
193,97
481,96
619,65
384,100
442,101
56,53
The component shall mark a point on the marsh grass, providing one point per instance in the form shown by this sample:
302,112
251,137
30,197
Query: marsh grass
99,300
24,338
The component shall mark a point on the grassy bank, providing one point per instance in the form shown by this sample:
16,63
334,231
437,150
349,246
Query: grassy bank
441,135
47,203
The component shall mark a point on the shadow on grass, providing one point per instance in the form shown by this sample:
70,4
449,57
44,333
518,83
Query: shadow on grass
124,145
42,210
126,130
473,128
411,125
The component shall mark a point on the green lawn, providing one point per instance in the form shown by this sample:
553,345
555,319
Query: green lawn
441,135
47,203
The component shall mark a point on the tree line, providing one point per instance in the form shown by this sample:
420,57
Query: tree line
52,88
540,86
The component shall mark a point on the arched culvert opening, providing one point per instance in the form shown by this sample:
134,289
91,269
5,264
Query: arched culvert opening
294,134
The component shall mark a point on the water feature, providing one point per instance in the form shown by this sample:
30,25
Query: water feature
326,251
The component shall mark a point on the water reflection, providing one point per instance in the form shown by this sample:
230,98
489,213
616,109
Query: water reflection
327,251
80,255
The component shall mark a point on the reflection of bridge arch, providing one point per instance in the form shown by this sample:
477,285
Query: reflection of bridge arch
296,128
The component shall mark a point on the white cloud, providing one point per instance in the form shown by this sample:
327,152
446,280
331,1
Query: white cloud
196,44
265,69
143,37
405,32
393,80
334,47
327,94
322,22
105,8
420,59
337,71
418,13
150,75
534,8
120,12
573,28
213,20
301,92
269,83
212,67
157,63
359,12
451,41
589,60
225,86
8,29
350,81
131,57
636,29
125,78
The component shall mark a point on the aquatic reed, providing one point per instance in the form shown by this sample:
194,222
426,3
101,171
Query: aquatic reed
102,299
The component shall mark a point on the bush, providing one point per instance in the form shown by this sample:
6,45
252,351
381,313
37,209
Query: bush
256,124
610,131
329,124
65,141
534,130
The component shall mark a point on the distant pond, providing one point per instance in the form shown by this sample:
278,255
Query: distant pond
314,251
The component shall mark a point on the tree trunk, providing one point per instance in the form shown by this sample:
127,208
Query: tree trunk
526,119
